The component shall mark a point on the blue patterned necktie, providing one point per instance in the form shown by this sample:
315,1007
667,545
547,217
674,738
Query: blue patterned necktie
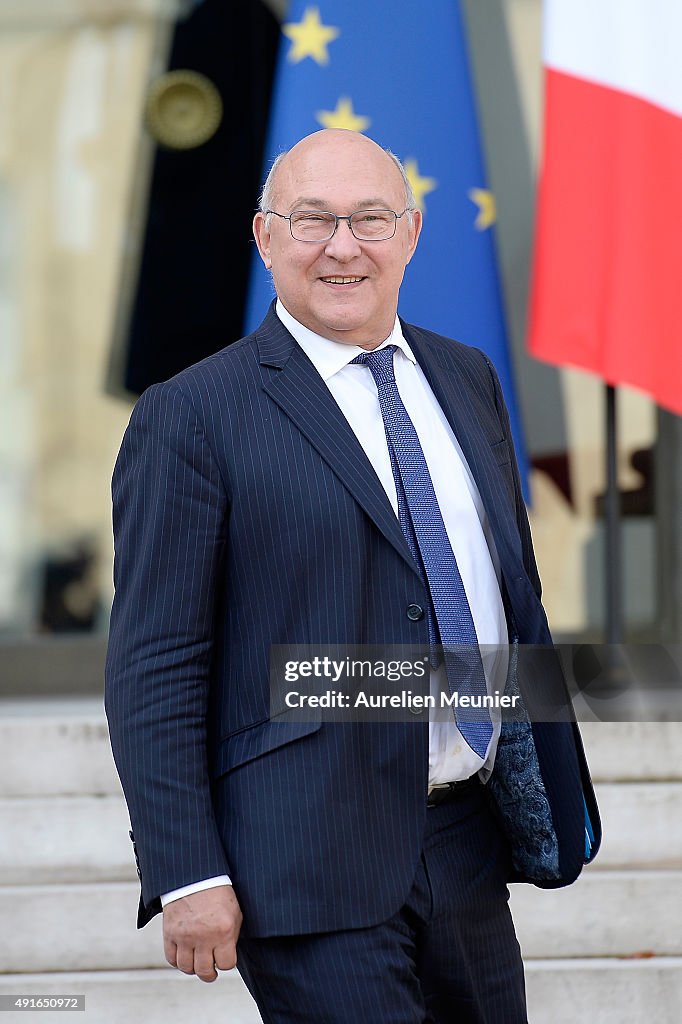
424,529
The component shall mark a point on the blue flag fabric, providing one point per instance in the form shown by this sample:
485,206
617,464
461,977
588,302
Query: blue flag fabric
399,72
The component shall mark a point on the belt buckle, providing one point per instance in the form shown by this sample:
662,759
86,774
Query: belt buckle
442,791
438,793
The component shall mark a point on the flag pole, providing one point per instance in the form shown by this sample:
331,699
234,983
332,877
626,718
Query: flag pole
613,545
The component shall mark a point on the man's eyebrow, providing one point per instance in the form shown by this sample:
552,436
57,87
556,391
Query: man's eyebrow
308,203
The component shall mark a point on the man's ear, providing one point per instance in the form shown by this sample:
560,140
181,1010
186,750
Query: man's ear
413,234
262,236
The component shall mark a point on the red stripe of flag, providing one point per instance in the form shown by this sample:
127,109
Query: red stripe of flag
607,277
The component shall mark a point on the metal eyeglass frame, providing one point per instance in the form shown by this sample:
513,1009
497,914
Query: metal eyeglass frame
337,218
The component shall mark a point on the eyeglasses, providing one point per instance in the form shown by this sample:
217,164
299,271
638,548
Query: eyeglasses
320,226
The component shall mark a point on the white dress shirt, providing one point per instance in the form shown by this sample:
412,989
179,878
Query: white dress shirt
466,523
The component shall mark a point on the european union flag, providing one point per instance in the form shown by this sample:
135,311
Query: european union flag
399,72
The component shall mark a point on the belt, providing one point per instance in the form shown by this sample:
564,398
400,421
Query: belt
446,792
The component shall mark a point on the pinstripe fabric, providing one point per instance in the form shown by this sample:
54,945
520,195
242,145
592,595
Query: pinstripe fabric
448,956
245,515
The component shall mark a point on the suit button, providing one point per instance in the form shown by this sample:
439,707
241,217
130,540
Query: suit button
415,612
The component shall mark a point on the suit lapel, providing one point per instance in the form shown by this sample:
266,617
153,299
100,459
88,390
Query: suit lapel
303,396
449,380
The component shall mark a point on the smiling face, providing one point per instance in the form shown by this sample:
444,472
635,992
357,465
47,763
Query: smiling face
343,289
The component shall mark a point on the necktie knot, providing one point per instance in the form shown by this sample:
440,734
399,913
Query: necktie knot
380,362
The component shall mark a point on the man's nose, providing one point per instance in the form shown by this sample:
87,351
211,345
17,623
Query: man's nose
343,245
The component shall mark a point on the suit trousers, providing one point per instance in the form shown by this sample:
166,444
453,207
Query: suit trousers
448,956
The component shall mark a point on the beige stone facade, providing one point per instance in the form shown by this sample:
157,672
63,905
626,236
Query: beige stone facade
73,75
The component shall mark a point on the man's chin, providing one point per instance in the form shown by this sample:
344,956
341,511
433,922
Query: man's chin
346,335
347,326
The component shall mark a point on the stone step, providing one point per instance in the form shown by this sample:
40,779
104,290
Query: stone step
92,927
55,748
642,823
633,751
604,991
77,928
61,748
65,839
85,838
600,991
607,913
162,996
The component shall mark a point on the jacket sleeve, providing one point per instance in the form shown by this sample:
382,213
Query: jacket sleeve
170,509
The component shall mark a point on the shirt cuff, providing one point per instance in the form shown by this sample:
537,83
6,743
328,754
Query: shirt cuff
187,890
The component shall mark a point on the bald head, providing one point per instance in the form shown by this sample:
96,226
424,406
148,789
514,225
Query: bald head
333,143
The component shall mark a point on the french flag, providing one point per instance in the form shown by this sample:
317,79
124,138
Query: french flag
607,279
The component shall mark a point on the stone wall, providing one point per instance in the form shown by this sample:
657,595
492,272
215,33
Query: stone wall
73,75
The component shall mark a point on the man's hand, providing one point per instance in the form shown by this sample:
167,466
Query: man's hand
200,932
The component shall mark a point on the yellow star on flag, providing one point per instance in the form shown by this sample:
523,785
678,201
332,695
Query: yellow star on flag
487,210
309,37
343,117
420,186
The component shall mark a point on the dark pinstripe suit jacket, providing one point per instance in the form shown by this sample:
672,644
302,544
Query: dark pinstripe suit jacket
246,514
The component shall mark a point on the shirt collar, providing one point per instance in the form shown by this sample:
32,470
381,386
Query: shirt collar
328,357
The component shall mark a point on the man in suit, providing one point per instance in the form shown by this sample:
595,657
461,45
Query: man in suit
337,477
